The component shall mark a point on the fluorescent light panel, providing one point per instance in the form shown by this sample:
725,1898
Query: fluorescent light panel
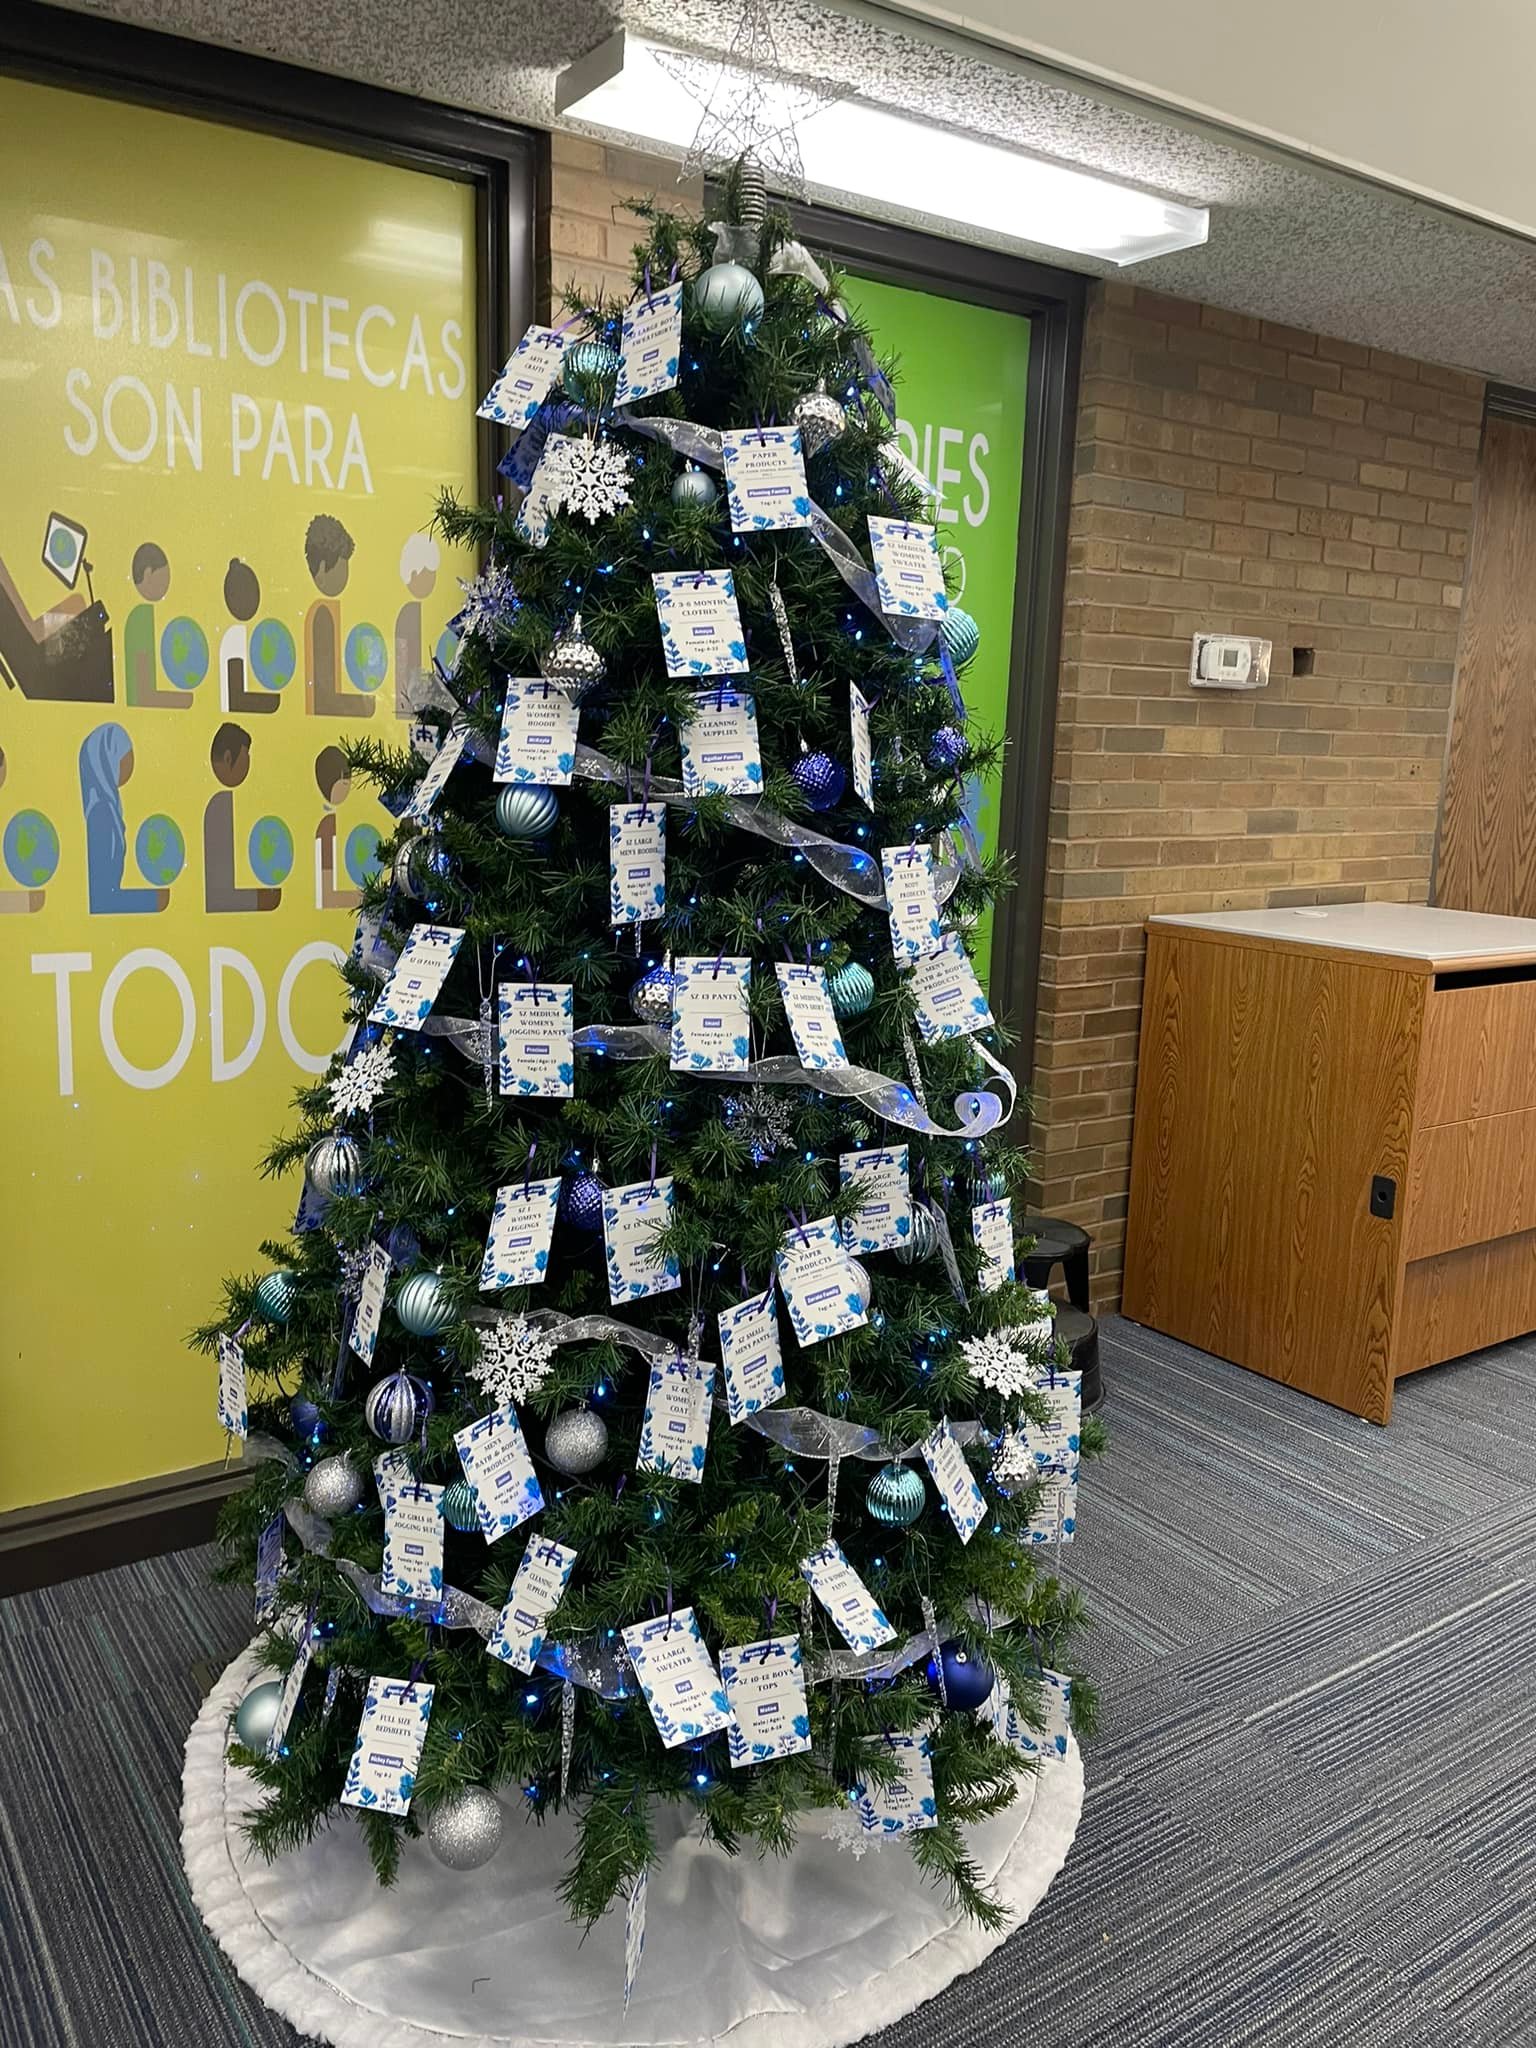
854,147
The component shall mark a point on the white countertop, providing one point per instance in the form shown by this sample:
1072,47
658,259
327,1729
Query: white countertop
1412,931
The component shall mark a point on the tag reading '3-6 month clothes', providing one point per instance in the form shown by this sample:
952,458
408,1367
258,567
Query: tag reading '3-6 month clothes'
766,1688
637,862
413,1544
543,1575
720,746
711,1027
416,982
750,1358
382,1773
812,1019
497,1465
700,624
632,1216
674,1433
535,1022
517,1248
538,734
681,1686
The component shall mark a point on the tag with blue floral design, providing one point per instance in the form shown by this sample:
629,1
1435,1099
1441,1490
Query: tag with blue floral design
992,1235
523,384
701,632
496,1463
766,1688
417,979
674,1431
905,1803
232,1413
377,1267
392,1473
522,1225
651,342
538,733
542,1577
1051,1743
765,482
426,793
964,1501
293,1685
719,744
860,746
534,1024
846,1598
812,1019
908,572
680,1684
912,901
821,1289
413,1544
949,1000
1055,1517
750,1357
632,1216
637,862
1057,1443
883,1220
387,1752
711,1027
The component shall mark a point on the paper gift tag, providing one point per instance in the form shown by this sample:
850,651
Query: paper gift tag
534,1025
634,1933
765,484
884,1218
1039,1333
293,1685
413,1544
524,383
418,976
370,948
377,1268
750,1359
632,1216
497,1465
681,1686
765,1685
859,708
651,341
820,1287
637,862
232,1409
382,1773
269,1563
812,1019
711,1026
911,900
1055,1516
846,1598
906,1803
310,1214
908,572
1059,1441
719,745
542,1577
701,631
392,1473
674,1433
992,1234
522,1225
964,1501
543,492
441,766
949,1000
538,733
1052,1743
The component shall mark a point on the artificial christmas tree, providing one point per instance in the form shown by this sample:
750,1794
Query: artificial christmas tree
645,1405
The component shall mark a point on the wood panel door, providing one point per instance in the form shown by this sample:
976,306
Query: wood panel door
1486,855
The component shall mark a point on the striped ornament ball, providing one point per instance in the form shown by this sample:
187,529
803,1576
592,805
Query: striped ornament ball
397,1407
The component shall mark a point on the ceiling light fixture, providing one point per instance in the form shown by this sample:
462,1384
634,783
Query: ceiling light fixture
853,148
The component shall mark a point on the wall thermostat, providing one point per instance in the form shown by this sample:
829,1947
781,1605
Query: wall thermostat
1225,661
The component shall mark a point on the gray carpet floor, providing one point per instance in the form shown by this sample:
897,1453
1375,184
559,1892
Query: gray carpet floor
1311,1817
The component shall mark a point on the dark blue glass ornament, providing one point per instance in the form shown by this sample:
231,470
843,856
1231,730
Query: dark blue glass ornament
581,1202
820,779
968,1679
946,748
305,1417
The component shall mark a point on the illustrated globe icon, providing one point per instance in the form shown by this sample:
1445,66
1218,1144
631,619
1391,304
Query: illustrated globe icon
184,653
61,548
362,854
448,648
271,851
160,851
367,657
273,658
31,848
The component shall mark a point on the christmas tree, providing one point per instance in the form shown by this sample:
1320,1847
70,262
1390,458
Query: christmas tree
645,1408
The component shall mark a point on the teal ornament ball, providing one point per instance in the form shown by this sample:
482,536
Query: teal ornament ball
526,810
923,1241
589,371
726,294
960,634
256,1716
460,1509
397,1407
334,1165
896,1496
852,989
276,1294
423,1304
694,487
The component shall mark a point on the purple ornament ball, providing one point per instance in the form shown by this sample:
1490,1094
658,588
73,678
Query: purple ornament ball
820,779
946,748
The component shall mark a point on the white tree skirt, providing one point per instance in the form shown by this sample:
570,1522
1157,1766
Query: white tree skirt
809,1951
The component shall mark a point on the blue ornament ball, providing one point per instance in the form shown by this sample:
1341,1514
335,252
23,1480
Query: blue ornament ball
334,1165
968,1678
423,1305
305,1417
276,1294
581,1202
256,1716
896,1496
651,997
946,748
694,487
820,780
589,370
396,1407
960,634
526,810
852,989
725,294
460,1508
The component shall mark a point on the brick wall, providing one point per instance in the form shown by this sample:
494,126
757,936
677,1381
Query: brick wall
1250,478
592,227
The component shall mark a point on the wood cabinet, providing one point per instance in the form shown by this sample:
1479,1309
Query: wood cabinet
1333,1177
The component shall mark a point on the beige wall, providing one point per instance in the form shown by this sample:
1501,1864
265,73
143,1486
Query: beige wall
592,224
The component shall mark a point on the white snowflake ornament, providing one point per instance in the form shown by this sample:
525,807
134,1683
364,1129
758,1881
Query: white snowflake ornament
358,1086
489,600
1013,1462
996,1361
515,1359
593,479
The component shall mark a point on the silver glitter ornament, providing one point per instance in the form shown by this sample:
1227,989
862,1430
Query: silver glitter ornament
922,1242
464,1830
256,1716
333,1487
573,662
820,418
576,1442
